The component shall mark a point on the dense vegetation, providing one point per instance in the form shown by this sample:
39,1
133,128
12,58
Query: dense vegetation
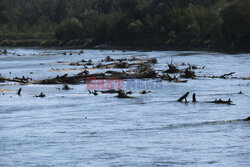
214,24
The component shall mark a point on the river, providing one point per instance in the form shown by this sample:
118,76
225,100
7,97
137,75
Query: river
74,128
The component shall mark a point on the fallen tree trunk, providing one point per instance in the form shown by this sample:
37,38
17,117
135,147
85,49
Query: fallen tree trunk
123,94
82,77
184,97
222,101
20,80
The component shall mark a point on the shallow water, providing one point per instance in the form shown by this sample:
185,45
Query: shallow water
73,128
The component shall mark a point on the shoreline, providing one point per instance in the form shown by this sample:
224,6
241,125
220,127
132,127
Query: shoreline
133,46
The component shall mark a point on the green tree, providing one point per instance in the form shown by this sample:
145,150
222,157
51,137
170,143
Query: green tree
69,30
61,10
3,17
236,23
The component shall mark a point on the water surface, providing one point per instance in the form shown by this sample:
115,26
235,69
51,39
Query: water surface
73,128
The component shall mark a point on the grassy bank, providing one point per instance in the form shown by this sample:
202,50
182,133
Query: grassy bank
27,39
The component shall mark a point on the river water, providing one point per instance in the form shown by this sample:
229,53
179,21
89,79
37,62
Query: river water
73,128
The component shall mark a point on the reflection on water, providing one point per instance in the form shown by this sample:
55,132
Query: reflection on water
73,128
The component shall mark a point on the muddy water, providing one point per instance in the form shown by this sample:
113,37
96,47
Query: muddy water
73,128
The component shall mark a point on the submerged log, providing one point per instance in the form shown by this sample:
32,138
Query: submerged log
167,77
145,92
123,94
184,97
229,101
108,59
42,95
172,69
188,74
94,93
194,98
247,119
2,79
226,75
19,91
112,91
66,87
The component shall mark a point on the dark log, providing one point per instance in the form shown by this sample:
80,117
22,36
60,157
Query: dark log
41,95
65,87
184,97
229,101
172,69
94,93
19,80
123,94
226,75
143,92
109,91
247,119
19,92
194,98
188,74
129,93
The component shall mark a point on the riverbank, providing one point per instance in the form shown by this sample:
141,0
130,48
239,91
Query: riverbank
47,40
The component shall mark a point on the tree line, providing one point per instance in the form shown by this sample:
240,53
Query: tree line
172,23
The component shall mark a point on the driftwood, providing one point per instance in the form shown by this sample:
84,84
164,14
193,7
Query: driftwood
144,70
81,52
123,94
247,119
111,91
82,77
145,92
172,69
42,95
229,101
20,80
19,91
113,65
194,98
167,77
188,73
66,87
129,93
243,78
240,120
184,97
4,52
215,101
226,75
109,59
94,93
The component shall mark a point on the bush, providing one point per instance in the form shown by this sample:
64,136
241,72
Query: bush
136,29
68,30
